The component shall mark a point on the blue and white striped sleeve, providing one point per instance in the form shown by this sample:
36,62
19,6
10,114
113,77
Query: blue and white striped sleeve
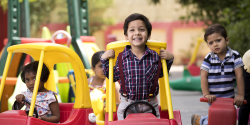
206,63
237,60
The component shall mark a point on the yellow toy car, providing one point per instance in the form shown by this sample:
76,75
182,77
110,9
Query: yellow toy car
78,113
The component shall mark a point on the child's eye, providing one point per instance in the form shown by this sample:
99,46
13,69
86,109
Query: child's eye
34,79
142,29
131,30
218,40
26,80
210,43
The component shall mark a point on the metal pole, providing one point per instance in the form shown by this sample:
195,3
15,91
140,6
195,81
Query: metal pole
75,30
13,30
25,18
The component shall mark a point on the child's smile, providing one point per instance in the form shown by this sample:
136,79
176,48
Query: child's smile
137,33
137,39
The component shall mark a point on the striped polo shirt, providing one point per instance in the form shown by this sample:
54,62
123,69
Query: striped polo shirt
221,75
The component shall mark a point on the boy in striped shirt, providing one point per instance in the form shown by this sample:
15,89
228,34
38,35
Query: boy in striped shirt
219,69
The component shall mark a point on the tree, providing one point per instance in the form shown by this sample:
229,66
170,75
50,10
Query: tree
40,12
232,14
238,27
97,9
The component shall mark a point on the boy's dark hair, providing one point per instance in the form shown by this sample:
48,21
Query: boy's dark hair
32,67
215,28
137,16
96,58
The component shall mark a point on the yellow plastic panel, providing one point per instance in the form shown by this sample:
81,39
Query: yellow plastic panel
5,72
38,76
192,60
167,89
163,97
46,33
90,48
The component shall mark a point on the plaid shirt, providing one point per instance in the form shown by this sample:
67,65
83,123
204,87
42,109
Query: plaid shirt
138,74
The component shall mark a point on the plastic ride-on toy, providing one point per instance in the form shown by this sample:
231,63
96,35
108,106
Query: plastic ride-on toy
168,116
78,113
222,111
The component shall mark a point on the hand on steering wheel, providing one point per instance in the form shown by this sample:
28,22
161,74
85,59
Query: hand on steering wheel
27,112
136,107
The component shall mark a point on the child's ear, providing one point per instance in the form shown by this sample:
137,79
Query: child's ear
92,68
149,37
126,37
227,40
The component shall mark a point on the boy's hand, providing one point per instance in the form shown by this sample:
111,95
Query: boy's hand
19,98
238,101
108,54
210,98
164,54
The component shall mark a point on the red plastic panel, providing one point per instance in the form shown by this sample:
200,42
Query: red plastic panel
65,109
29,40
16,117
173,122
163,114
61,41
13,117
221,112
58,41
77,117
87,38
141,119
194,70
177,115
107,118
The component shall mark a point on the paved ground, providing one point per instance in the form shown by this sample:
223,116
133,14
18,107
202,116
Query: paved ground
186,101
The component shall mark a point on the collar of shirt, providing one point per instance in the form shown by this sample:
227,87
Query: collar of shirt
128,52
228,55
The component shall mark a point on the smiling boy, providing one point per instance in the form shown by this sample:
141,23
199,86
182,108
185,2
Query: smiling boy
139,64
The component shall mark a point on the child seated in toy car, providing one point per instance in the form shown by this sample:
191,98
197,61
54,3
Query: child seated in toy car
46,105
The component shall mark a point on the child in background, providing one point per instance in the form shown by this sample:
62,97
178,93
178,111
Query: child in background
219,69
46,103
139,65
245,109
98,81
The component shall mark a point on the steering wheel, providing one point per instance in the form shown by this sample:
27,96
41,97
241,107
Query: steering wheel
135,108
27,112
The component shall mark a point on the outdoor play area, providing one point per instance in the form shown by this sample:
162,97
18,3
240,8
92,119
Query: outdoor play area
67,33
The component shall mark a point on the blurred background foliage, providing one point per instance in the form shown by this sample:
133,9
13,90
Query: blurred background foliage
56,11
232,14
96,10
